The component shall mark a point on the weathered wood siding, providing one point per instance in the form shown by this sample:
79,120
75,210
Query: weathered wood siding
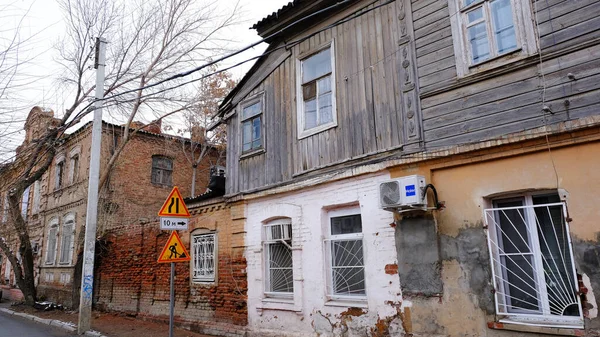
369,99
455,113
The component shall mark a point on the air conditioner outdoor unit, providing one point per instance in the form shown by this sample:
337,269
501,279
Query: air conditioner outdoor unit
403,193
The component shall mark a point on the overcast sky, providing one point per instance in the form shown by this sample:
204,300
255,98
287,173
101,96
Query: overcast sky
44,25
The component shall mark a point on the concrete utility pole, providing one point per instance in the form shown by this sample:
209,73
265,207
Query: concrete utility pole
87,274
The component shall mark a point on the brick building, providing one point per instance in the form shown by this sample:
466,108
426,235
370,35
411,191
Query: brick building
55,206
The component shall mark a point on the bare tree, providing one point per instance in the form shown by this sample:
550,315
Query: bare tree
206,145
149,41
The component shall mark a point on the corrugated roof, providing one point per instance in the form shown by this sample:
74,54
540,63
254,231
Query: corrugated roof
275,15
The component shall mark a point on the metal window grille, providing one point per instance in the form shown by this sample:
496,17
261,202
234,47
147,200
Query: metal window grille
204,257
346,257
532,262
66,244
278,256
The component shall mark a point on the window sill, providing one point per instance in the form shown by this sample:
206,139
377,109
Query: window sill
536,329
159,185
271,303
358,303
252,153
315,130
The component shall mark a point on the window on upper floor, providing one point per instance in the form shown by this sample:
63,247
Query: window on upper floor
51,242
36,197
5,208
25,202
59,174
279,278
66,242
345,255
532,260
74,168
490,33
204,257
162,170
251,124
316,92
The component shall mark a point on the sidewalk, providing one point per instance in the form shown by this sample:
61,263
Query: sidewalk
103,324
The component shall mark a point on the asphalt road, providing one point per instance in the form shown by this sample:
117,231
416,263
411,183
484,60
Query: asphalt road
15,326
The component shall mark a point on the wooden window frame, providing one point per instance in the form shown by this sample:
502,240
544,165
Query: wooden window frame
257,98
59,174
153,167
69,220
526,38
302,133
53,227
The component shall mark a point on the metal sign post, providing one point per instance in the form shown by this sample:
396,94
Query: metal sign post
172,300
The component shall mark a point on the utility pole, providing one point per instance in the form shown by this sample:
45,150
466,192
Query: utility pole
91,218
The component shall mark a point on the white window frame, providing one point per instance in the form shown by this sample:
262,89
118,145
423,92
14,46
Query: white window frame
300,95
25,202
524,33
329,240
206,278
67,240
51,249
543,318
5,208
257,98
286,226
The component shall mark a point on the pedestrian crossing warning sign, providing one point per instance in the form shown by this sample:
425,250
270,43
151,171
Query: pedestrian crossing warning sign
174,205
174,250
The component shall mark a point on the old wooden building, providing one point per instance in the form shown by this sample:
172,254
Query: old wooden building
494,104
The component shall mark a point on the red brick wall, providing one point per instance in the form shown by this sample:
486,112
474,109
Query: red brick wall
130,280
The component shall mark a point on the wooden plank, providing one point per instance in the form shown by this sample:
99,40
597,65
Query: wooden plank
560,9
434,42
577,22
417,5
439,65
446,53
433,7
543,4
397,123
375,46
354,90
433,28
385,50
436,17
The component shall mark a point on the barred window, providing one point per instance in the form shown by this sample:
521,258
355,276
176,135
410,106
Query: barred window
278,258
162,170
204,257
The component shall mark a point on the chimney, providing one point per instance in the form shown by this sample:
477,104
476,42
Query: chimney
198,134
154,126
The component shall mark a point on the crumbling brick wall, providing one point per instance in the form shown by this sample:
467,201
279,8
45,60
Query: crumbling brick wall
130,280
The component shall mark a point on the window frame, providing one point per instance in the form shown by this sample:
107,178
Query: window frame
543,316
53,227
329,240
153,167
525,36
59,174
68,220
204,279
74,163
257,98
302,133
266,243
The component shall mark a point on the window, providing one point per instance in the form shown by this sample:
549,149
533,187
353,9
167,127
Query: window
345,255
66,243
204,257
59,174
532,260
36,197
51,243
5,208
485,30
162,170
251,124
74,168
49,277
316,90
65,278
217,171
279,279
25,203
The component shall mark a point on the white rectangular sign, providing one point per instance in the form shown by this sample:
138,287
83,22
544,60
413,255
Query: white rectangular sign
169,224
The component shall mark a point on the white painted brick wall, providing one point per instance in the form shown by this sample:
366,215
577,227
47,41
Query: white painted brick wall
308,211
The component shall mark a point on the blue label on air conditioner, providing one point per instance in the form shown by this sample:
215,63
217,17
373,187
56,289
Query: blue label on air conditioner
410,190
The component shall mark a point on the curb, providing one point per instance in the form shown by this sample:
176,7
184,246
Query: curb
59,324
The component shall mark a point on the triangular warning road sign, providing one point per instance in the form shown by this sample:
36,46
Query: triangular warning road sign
174,250
174,205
